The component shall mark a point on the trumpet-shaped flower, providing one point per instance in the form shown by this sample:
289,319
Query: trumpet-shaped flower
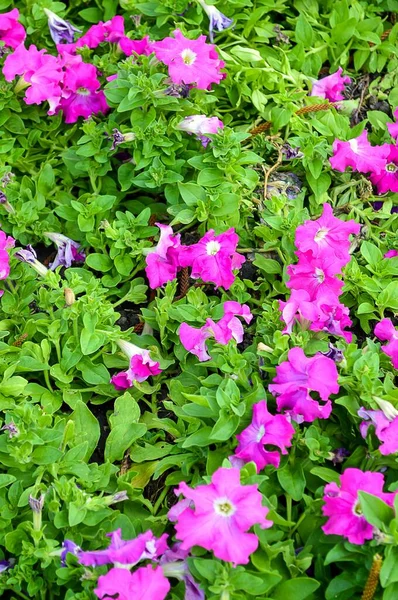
386,429
330,87
217,20
28,255
194,340
316,275
130,47
174,564
6,242
214,258
358,154
162,263
12,33
297,377
386,179
201,126
391,254
264,430
190,61
147,583
141,366
61,31
81,96
327,235
221,515
68,251
343,507
386,331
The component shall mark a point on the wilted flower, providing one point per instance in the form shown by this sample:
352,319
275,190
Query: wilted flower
146,583
12,33
11,428
190,61
343,506
36,504
330,87
141,366
201,126
68,250
61,31
280,36
178,91
334,354
220,516
218,21
290,152
339,455
4,565
29,256
174,564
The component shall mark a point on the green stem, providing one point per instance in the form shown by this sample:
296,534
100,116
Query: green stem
288,507
47,380
160,499
20,594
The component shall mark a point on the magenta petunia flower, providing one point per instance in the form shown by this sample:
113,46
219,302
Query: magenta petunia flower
297,377
81,96
12,33
343,507
200,125
141,366
386,428
222,513
386,331
358,154
190,61
130,47
174,564
194,340
111,31
144,546
391,254
333,316
327,235
146,583
298,308
40,73
162,262
316,275
68,251
213,259
386,179
330,87
264,430
6,242
393,127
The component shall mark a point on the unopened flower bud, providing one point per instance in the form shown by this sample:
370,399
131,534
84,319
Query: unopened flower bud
118,497
69,296
11,428
36,504
263,347
29,256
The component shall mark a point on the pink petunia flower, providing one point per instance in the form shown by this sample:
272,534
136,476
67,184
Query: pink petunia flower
146,583
386,429
111,31
358,154
386,179
264,430
6,242
222,513
213,259
162,263
333,316
316,275
144,546
40,73
190,61
393,127
298,308
200,125
297,377
130,47
12,33
81,96
141,366
330,87
391,254
386,331
343,506
327,235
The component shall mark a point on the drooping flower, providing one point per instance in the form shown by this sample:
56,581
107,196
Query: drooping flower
61,31
343,508
264,430
201,126
122,552
386,179
330,87
393,127
221,515
28,255
130,47
297,377
68,250
386,331
40,73
316,275
111,31
81,96
147,583
190,61
386,428
162,263
218,21
327,235
214,258
391,254
12,33
141,366
68,547
358,154
194,340
174,564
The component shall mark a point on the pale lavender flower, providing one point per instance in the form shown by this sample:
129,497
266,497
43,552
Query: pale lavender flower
29,256
218,21
61,31
11,428
68,251
174,564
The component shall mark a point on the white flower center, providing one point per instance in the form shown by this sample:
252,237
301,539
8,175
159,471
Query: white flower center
188,56
319,275
354,145
357,510
260,434
391,168
82,91
321,234
224,507
212,248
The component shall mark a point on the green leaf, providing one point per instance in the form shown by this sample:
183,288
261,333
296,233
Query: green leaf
326,474
268,265
91,342
304,31
375,511
371,253
295,589
389,570
46,455
6,479
99,262
87,428
292,480
191,193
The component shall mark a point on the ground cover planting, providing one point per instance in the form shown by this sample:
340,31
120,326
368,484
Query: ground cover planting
198,300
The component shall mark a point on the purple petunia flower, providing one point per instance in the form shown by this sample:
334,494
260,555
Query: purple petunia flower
68,251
